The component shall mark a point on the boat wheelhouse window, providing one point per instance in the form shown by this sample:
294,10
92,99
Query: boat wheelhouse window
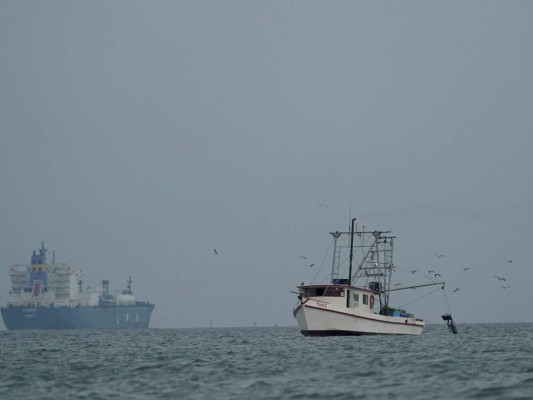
324,291
365,299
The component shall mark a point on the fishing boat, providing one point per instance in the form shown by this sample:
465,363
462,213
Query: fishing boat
358,304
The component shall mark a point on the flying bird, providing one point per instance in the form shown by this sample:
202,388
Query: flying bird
397,284
215,250
456,290
303,257
510,261
323,205
413,271
500,278
505,287
466,268
438,255
312,265
431,271
438,275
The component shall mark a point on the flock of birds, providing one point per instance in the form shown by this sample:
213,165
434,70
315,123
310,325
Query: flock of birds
437,275
431,271
414,271
305,258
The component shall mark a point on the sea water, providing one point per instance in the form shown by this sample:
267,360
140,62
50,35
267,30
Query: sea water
484,361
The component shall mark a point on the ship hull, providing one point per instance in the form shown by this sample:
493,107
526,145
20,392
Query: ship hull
109,317
316,321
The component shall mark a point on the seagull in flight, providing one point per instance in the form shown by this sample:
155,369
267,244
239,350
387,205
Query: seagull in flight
456,290
505,287
303,257
215,250
414,271
466,268
431,271
397,284
438,255
510,261
438,275
323,205
500,278
312,265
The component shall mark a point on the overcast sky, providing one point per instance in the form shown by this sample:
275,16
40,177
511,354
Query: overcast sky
138,136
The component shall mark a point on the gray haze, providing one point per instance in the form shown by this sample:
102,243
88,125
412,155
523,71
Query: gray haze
136,137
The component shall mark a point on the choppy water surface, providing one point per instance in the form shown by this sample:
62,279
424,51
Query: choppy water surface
483,361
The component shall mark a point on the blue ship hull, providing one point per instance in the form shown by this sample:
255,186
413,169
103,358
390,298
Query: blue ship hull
101,317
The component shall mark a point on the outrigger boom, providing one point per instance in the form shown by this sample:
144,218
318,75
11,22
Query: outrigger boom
416,286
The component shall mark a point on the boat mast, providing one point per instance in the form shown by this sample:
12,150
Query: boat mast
390,268
385,269
351,253
377,265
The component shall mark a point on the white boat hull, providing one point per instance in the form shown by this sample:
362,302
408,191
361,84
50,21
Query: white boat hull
315,320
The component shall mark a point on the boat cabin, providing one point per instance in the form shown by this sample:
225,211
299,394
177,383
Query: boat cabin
332,293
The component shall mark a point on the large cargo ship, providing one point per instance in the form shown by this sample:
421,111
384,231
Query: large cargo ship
51,296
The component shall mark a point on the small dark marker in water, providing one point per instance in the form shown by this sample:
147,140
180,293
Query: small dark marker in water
451,324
